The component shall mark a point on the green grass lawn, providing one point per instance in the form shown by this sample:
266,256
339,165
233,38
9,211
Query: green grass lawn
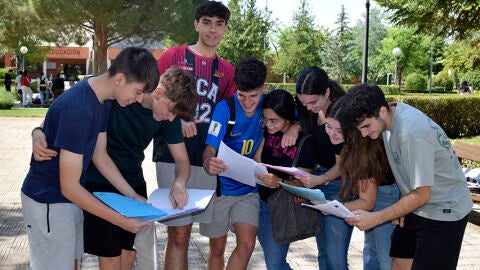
24,112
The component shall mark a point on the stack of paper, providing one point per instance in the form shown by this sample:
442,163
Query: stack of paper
159,207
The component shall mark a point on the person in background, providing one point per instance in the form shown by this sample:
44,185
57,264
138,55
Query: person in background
18,83
278,109
434,192
464,89
8,80
42,88
58,86
26,90
214,78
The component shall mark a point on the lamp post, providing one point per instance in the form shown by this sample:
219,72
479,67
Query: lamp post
24,51
365,43
396,52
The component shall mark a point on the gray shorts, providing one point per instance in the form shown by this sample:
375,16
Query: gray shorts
55,233
228,210
198,179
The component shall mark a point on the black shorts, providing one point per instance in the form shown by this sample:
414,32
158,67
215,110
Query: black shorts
102,238
431,243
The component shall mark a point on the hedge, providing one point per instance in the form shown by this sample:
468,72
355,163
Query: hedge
458,115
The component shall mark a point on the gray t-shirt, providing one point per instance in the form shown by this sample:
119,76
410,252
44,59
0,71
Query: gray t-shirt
420,154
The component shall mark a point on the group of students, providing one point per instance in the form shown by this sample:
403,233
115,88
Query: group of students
47,88
182,101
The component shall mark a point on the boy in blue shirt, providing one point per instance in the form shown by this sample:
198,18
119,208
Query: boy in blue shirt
237,205
53,193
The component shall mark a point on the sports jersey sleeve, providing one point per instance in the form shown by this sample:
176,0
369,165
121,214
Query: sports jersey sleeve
218,125
230,88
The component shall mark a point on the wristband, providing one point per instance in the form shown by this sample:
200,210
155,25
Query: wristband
327,179
37,128
205,161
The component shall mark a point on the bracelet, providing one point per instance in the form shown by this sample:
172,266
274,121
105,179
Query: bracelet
327,179
36,128
205,161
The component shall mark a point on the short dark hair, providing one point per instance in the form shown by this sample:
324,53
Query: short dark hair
281,102
362,101
250,74
138,65
212,9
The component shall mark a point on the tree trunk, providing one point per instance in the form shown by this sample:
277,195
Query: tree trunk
100,50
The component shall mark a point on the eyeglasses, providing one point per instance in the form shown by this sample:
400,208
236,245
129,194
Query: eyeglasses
273,121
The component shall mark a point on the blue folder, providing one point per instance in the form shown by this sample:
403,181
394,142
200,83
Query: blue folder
307,193
129,207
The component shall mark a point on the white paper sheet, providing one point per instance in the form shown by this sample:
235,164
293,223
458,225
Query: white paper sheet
240,168
333,207
159,207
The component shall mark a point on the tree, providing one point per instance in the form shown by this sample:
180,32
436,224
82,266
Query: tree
442,17
105,22
415,56
339,49
463,55
248,30
377,32
300,44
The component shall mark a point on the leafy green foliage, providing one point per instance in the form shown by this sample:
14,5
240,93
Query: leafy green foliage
247,33
415,81
441,17
459,116
443,80
300,44
7,99
338,52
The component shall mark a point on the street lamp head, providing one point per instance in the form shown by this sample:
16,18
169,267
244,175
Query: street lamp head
23,49
396,51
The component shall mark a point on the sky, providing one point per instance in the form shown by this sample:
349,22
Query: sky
325,11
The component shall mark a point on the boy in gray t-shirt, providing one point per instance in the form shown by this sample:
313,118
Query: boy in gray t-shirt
429,176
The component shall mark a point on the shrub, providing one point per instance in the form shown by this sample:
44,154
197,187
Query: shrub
7,99
459,116
443,80
415,81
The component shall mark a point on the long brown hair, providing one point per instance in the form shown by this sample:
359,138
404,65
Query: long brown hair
361,159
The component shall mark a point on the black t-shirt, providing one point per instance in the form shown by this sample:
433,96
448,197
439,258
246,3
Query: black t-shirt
325,150
274,154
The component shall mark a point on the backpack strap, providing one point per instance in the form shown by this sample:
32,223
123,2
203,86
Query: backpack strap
231,122
297,154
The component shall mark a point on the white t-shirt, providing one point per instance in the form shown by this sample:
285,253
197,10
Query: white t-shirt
420,154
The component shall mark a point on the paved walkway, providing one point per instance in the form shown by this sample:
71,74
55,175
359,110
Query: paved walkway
15,150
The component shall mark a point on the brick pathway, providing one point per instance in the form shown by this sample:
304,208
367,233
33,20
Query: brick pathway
15,150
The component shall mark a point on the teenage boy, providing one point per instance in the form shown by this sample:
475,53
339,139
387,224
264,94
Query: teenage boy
130,130
214,78
435,203
237,206
53,193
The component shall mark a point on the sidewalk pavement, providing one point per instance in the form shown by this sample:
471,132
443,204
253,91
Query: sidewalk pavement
15,151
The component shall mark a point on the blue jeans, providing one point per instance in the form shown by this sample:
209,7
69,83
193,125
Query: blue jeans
377,240
334,241
275,254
